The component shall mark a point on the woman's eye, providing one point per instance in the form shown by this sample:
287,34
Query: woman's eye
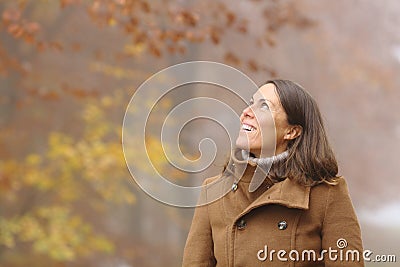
264,105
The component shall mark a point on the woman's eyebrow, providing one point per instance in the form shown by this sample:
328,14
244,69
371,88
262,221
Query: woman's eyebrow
261,100
266,100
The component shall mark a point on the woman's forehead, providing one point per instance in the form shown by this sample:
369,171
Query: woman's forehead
267,92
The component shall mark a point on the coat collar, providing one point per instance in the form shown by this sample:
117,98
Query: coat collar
286,193
244,170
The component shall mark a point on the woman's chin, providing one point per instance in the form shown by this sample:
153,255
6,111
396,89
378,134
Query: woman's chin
242,143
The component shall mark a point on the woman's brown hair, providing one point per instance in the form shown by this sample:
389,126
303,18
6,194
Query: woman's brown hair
311,159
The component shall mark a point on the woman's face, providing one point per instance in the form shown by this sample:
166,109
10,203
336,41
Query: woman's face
264,125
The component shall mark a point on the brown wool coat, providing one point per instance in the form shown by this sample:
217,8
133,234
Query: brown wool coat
238,228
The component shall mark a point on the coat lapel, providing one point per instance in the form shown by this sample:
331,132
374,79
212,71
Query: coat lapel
286,193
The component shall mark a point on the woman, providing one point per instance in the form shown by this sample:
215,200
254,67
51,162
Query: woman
299,213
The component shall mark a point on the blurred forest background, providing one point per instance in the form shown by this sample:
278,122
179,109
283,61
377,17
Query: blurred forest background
68,69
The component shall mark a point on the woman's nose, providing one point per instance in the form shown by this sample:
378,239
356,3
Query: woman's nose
247,112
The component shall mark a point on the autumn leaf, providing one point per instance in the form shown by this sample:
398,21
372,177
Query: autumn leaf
215,36
253,65
11,15
232,59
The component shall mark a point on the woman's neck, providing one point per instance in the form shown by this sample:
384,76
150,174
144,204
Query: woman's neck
264,161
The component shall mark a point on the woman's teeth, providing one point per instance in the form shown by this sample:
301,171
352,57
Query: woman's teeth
247,127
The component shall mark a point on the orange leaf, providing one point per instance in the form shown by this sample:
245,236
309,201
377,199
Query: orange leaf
253,65
154,50
188,18
65,3
11,15
214,35
145,7
242,28
32,27
15,30
182,49
29,38
230,18
176,36
171,49
76,47
52,95
270,40
57,45
40,46
230,58
134,21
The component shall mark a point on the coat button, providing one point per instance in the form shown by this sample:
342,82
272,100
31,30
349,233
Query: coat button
282,225
241,224
234,187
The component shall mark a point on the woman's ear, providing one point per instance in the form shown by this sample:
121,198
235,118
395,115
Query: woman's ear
293,132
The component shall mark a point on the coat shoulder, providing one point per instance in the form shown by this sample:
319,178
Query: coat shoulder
214,188
212,179
322,194
340,184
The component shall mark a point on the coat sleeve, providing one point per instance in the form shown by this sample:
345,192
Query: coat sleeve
341,230
199,248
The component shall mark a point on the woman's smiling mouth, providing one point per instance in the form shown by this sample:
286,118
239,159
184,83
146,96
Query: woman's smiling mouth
247,127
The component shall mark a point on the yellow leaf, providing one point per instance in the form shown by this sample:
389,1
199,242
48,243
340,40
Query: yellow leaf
111,22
